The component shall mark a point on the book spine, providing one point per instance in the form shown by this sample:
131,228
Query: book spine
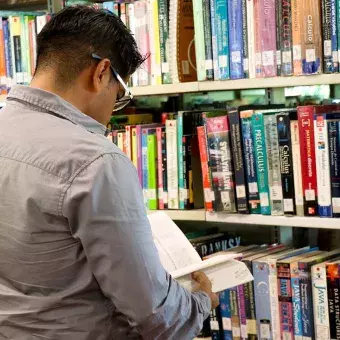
16,45
286,37
268,37
159,168
306,303
224,298
139,154
163,14
261,162
312,42
199,40
279,27
296,301
221,9
285,301
145,169
297,172
322,166
3,79
296,38
333,297
242,311
245,40
33,46
335,38
250,166
338,27
334,142
337,304
274,301
172,164
236,147
134,156
235,39
235,317
128,139
207,185
157,45
186,171
208,65
221,163
120,141
251,38
24,48
258,37
326,7
164,171
133,29
307,151
274,172
8,53
215,326
181,189
320,302
152,171
249,296
214,38
262,299
286,163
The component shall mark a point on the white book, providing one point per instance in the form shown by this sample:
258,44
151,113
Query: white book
251,38
180,259
320,302
172,163
132,27
294,128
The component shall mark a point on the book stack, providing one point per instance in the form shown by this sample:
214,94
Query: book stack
18,48
295,294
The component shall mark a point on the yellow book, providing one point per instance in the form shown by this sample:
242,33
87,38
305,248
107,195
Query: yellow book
134,147
157,43
16,45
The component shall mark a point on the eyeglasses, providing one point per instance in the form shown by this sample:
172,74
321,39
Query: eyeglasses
124,99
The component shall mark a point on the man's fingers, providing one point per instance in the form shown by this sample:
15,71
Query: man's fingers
199,277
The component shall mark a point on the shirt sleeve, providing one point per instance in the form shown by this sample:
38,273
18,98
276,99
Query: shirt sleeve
105,209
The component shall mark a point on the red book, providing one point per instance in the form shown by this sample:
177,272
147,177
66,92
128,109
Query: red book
208,193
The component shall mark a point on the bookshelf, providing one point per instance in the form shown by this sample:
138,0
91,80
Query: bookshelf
240,84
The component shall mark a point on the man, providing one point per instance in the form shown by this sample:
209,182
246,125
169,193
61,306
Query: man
77,258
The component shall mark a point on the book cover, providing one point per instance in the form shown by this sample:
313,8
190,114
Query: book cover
308,161
286,36
286,161
163,15
297,36
160,184
297,171
245,54
224,298
221,9
334,149
213,37
239,169
261,162
273,160
221,163
323,162
249,160
208,24
235,39
267,33
311,37
207,184
320,301
326,6
152,170
251,38
172,164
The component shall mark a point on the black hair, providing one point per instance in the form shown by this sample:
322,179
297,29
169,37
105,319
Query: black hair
68,40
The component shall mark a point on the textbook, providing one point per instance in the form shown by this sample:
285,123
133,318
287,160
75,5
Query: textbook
180,259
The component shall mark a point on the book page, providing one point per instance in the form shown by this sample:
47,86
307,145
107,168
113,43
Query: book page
175,250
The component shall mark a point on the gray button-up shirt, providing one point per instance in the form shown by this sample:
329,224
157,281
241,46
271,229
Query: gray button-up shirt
77,257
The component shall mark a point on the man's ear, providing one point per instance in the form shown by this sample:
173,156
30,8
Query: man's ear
101,75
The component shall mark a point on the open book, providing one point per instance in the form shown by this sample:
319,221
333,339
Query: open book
180,258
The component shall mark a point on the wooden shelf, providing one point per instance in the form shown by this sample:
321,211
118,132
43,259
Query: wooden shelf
241,84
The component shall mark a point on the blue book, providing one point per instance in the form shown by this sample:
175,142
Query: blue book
214,39
235,39
221,9
180,160
109,5
224,298
145,165
8,51
334,37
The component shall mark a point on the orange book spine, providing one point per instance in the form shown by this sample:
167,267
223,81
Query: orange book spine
297,34
202,143
32,45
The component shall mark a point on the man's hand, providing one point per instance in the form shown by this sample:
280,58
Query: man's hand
204,284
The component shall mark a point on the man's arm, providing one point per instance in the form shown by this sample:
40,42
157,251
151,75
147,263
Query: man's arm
104,206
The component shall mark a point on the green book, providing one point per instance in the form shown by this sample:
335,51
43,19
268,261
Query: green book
152,170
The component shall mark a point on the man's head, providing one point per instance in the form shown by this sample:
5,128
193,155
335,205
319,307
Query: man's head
78,52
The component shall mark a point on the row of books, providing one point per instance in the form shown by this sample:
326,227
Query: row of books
232,39
294,295
18,48
255,159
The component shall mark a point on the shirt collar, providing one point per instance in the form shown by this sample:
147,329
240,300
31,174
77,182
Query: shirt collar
54,104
